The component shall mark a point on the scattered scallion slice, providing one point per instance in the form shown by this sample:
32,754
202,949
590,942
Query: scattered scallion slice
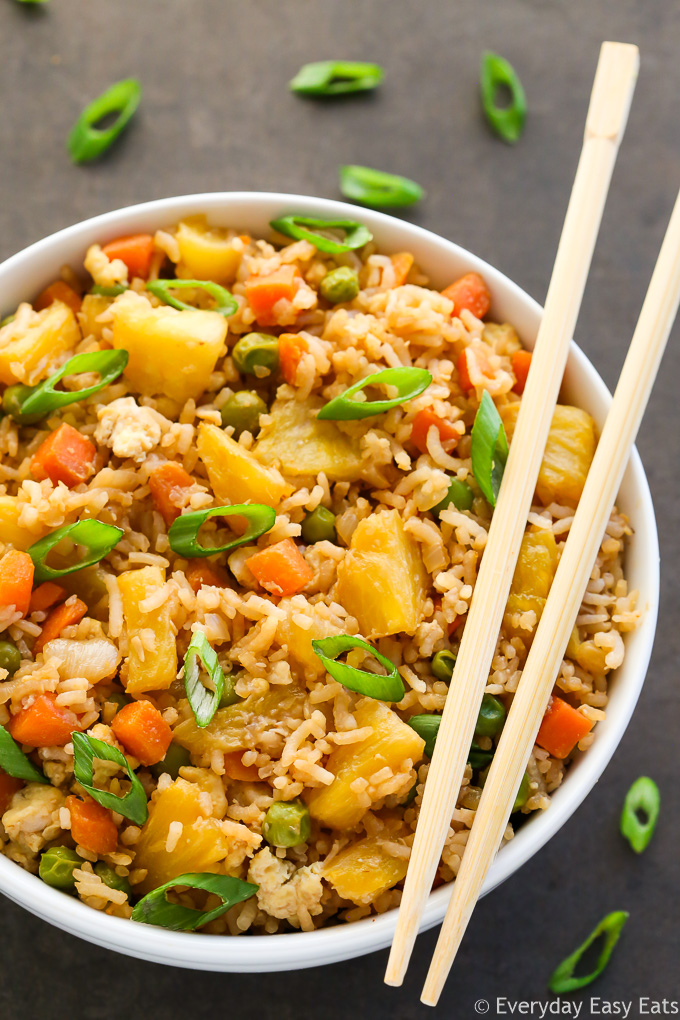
489,449
305,228
112,291
132,804
45,398
610,928
382,688
336,78
183,533
377,188
15,763
86,141
226,302
98,538
427,727
204,702
506,121
154,908
643,799
409,383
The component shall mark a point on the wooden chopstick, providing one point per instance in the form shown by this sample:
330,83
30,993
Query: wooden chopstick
563,603
607,115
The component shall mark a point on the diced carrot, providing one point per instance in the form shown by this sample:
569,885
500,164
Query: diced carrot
235,769
200,572
245,238
60,617
473,368
470,292
58,291
8,787
45,596
16,580
92,826
136,251
401,264
65,456
263,292
562,728
456,624
291,348
142,731
423,422
281,568
43,723
521,363
165,481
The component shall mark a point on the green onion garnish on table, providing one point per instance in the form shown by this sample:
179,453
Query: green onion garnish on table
506,121
305,228
132,804
226,303
155,908
563,979
183,533
377,188
409,383
373,685
44,398
98,538
336,78
204,702
640,813
489,449
15,763
87,141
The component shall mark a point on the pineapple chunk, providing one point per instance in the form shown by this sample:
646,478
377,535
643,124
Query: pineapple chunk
240,726
301,445
150,669
568,453
200,847
171,352
205,253
382,580
534,573
391,743
235,475
298,638
11,531
30,345
364,870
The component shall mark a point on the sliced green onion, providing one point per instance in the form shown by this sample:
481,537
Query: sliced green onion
154,908
86,141
610,927
336,78
113,291
204,702
85,749
10,318
643,798
489,449
356,234
226,302
378,188
506,121
15,763
183,533
427,727
409,383
478,758
382,688
45,398
98,538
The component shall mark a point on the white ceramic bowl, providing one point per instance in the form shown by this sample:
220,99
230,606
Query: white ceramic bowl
25,274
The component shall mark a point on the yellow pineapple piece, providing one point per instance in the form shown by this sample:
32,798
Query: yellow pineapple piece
171,352
300,445
298,638
150,669
392,742
534,573
236,476
30,346
241,725
11,531
363,870
382,580
206,253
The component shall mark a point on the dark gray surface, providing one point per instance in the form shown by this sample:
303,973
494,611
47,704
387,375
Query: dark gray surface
216,115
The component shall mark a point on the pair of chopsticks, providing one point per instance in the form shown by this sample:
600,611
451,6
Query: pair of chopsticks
607,115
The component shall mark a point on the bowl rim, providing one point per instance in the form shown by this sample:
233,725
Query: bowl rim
326,945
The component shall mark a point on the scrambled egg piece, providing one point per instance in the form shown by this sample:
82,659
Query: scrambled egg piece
105,273
128,429
33,816
286,892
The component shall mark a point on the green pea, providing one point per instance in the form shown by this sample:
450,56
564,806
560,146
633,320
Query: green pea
286,823
10,657
119,700
110,877
341,284
7,320
523,793
176,757
229,695
13,398
256,350
243,410
442,664
57,866
491,716
477,757
319,526
460,494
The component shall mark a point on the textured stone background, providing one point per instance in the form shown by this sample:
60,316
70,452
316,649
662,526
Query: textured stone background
216,115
